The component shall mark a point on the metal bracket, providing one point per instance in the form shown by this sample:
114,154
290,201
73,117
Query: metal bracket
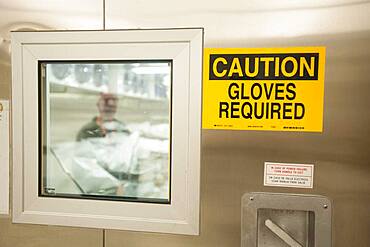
273,219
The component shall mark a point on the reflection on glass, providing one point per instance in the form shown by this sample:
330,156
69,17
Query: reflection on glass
106,130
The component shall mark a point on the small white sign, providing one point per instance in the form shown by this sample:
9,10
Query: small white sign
288,175
4,157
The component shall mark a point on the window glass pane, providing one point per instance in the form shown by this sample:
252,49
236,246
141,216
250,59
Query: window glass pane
105,129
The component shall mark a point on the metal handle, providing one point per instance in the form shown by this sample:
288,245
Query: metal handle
282,234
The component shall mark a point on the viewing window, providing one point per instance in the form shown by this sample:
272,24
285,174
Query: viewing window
106,129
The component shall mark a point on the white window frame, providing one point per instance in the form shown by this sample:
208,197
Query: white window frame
185,48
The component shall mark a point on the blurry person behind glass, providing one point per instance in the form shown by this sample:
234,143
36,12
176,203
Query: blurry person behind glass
104,123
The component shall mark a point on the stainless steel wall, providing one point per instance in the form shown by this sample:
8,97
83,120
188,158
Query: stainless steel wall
232,163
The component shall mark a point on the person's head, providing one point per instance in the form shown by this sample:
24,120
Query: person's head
107,106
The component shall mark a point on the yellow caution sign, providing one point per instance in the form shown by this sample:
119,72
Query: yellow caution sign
279,89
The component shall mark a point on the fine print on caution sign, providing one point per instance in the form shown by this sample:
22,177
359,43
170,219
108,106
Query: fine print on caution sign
279,89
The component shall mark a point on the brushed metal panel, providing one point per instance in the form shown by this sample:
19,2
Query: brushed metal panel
232,161
19,235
